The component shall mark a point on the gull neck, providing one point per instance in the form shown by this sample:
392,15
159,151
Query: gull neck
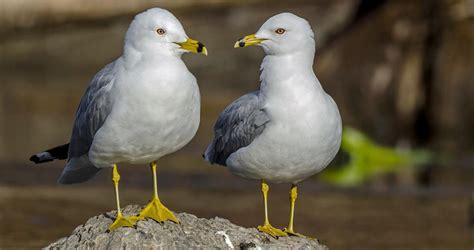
132,56
284,69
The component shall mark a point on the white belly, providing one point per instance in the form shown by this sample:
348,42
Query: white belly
143,129
291,148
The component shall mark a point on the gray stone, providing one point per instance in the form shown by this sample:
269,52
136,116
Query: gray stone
192,233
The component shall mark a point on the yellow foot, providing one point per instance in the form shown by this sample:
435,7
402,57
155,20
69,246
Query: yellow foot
272,231
293,233
122,221
158,212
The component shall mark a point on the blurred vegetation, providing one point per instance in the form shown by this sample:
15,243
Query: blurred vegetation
365,159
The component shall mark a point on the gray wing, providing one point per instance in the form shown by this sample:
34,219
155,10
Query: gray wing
93,109
237,126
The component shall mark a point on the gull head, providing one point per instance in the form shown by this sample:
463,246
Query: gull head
284,33
158,31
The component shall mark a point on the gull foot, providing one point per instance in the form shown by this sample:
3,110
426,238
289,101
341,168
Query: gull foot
122,221
158,212
293,233
272,231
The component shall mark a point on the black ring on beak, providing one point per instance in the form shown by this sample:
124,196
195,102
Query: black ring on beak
200,46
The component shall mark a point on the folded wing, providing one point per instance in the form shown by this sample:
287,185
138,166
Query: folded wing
237,126
93,109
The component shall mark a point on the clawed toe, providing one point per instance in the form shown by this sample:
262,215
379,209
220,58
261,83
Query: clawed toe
272,231
123,221
158,212
293,233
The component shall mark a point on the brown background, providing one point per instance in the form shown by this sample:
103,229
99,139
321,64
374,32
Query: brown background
401,71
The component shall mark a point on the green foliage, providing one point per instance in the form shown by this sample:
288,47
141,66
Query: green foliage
366,159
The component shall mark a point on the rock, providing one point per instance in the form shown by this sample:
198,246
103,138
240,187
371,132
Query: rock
193,232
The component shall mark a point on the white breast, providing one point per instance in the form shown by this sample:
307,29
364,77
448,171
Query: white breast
302,137
156,111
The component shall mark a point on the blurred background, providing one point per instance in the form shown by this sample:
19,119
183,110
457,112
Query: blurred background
401,72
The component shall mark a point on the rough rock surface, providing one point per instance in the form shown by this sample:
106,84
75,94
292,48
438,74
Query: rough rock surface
192,233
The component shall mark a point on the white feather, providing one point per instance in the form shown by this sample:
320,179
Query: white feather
304,132
44,156
156,100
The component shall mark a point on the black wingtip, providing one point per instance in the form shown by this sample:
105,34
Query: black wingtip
35,159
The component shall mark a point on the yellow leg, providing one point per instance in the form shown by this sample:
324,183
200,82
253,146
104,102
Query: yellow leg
155,209
267,227
293,195
120,220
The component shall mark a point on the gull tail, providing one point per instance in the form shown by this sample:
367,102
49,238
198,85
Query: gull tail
56,153
77,170
209,154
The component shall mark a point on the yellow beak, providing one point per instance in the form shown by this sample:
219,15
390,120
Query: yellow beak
247,41
193,46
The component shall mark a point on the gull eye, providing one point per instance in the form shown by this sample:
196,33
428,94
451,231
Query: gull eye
280,31
160,31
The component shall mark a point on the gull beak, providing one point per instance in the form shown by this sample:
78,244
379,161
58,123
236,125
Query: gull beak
193,46
248,40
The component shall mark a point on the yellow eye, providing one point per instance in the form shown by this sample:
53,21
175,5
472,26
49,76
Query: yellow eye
160,31
280,31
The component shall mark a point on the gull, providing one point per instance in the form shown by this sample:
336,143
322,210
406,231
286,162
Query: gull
288,130
142,106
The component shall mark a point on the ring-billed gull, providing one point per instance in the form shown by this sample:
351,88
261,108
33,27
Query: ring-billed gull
290,129
142,106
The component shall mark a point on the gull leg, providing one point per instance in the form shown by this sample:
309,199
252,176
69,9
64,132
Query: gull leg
120,220
293,195
155,209
267,227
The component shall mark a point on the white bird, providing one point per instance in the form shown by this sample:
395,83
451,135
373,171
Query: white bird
142,106
290,129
